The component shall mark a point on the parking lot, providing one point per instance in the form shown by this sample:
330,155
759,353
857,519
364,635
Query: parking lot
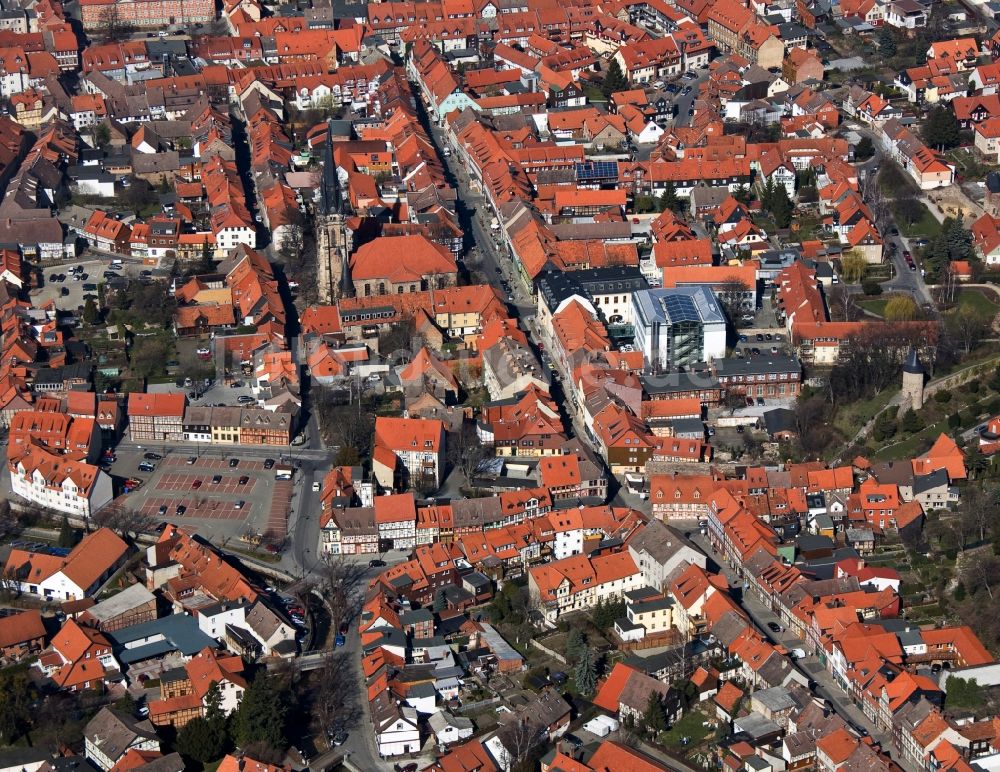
62,287
217,499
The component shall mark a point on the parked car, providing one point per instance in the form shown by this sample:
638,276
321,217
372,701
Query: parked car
216,479
196,484
233,463
244,479
145,466
239,504
181,509
376,563
162,510
316,486
774,627
191,460
268,463
340,640
152,456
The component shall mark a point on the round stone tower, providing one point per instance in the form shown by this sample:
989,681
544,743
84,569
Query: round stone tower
913,381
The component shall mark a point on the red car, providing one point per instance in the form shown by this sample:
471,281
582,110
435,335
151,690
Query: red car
196,484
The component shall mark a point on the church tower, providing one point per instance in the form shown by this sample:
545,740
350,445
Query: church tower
333,242
913,381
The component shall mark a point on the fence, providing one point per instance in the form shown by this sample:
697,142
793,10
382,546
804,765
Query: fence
546,650
480,704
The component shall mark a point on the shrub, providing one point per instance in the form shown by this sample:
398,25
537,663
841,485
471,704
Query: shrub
942,396
871,287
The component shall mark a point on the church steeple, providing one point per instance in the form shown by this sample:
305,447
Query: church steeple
331,201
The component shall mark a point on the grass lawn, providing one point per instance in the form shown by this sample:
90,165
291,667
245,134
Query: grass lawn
977,301
689,726
809,227
876,307
852,417
594,93
908,447
926,227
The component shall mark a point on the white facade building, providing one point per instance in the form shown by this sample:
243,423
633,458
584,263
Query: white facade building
72,487
677,327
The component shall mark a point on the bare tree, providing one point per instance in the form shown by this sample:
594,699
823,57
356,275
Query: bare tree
521,735
113,28
347,426
980,572
339,582
843,306
731,294
978,510
124,520
464,450
967,326
871,194
333,699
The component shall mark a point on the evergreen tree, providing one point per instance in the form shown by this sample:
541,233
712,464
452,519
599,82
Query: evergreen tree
864,150
201,740
586,672
67,536
958,238
261,715
654,716
975,461
960,592
941,129
440,601
668,199
614,79
575,643
16,696
782,209
884,428
213,705
911,422
90,313
887,42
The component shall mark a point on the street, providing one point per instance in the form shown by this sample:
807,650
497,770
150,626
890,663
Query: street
904,280
825,686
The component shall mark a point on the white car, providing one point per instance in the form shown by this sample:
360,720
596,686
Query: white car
316,486
203,351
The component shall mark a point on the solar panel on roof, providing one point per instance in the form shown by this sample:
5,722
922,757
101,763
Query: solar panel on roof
681,308
597,170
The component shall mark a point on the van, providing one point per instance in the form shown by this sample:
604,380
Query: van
282,474
116,263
